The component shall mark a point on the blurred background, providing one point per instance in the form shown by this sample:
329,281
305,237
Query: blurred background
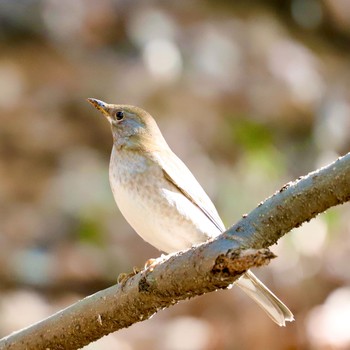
250,95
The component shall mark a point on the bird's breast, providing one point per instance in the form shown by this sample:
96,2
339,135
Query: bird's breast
155,208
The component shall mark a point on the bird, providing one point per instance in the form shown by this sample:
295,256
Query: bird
162,200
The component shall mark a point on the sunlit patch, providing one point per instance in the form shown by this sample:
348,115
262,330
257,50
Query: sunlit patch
186,333
310,239
162,58
328,324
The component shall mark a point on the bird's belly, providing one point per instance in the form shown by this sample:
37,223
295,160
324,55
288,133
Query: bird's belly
161,215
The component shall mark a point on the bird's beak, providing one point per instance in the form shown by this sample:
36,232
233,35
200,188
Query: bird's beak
99,105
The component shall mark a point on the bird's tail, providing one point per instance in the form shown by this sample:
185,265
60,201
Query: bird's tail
268,301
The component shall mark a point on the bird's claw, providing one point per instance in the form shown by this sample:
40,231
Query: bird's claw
150,262
123,277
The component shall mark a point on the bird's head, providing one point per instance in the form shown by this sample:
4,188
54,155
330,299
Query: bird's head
132,127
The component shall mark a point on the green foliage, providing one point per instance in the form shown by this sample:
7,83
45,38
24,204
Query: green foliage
251,135
89,231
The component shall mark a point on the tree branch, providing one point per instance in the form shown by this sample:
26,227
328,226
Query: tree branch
201,269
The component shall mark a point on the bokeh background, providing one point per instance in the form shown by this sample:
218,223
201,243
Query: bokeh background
250,94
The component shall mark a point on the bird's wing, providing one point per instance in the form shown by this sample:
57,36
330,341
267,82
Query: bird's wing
176,172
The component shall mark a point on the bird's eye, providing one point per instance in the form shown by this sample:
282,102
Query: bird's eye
119,115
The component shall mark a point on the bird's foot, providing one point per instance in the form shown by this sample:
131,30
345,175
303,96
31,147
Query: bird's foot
123,277
152,263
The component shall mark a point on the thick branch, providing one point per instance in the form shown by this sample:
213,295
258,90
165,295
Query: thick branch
179,277
202,269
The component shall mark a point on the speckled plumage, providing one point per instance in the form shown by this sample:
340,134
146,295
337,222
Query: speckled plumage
161,199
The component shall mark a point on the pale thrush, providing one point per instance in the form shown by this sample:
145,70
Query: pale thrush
162,200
